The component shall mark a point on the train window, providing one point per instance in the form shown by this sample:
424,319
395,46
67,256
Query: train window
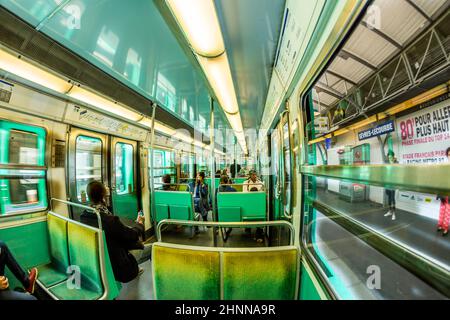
124,168
22,168
23,147
88,164
163,163
356,270
376,183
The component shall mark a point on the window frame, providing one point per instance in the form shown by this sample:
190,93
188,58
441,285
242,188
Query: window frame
43,204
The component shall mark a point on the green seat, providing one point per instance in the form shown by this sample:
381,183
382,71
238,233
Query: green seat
174,205
260,275
56,271
84,254
252,206
182,274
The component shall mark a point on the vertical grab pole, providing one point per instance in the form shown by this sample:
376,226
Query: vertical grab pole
152,183
213,169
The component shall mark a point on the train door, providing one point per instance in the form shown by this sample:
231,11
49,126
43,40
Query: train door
275,180
124,194
87,162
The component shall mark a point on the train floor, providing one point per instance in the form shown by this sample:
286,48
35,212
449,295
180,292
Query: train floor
412,230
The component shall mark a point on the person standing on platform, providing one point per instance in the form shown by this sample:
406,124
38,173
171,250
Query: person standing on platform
391,192
444,210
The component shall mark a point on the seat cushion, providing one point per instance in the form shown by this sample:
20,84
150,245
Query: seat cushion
49,275
67,291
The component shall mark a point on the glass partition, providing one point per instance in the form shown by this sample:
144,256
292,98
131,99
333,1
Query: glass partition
88,164
124,168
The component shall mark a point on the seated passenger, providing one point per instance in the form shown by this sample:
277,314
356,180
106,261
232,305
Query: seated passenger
218,173
28,280
259,235
166,179
201,196
224,185
119,237
252,182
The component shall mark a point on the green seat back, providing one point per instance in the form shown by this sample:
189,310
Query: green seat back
179,212
179,205
260,275
84,253
230,214
162,212
252,205
57,232
184,274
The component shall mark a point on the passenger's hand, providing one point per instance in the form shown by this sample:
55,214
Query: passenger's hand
141,220
4,283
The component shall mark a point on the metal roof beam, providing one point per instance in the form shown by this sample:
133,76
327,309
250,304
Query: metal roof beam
334,74
382,35
345,53
330,91
419,10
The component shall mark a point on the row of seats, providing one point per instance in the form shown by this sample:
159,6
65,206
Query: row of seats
74,248
201,273
231,206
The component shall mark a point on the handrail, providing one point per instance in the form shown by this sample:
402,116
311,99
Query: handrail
227,225
419,177
242,185
17,166
77,205
173,184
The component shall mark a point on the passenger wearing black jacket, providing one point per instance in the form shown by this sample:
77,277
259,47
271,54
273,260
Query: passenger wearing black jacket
119,237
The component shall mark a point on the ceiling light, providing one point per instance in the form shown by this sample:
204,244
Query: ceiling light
20,67
96,100
235,122
218,72
198,19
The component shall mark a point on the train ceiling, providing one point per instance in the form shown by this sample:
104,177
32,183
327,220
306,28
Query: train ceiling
131,41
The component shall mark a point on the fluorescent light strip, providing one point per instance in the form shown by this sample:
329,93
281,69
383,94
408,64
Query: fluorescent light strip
198,21
218,72
203,33
96,100
12,64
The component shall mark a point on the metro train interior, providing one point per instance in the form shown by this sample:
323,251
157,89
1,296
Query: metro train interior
224,150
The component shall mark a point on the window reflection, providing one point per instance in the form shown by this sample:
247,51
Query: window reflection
107,43
133,66
124,168
88,164
409,218
356,270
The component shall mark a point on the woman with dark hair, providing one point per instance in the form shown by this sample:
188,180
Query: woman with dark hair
201,196
391,192
119,237
444,210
